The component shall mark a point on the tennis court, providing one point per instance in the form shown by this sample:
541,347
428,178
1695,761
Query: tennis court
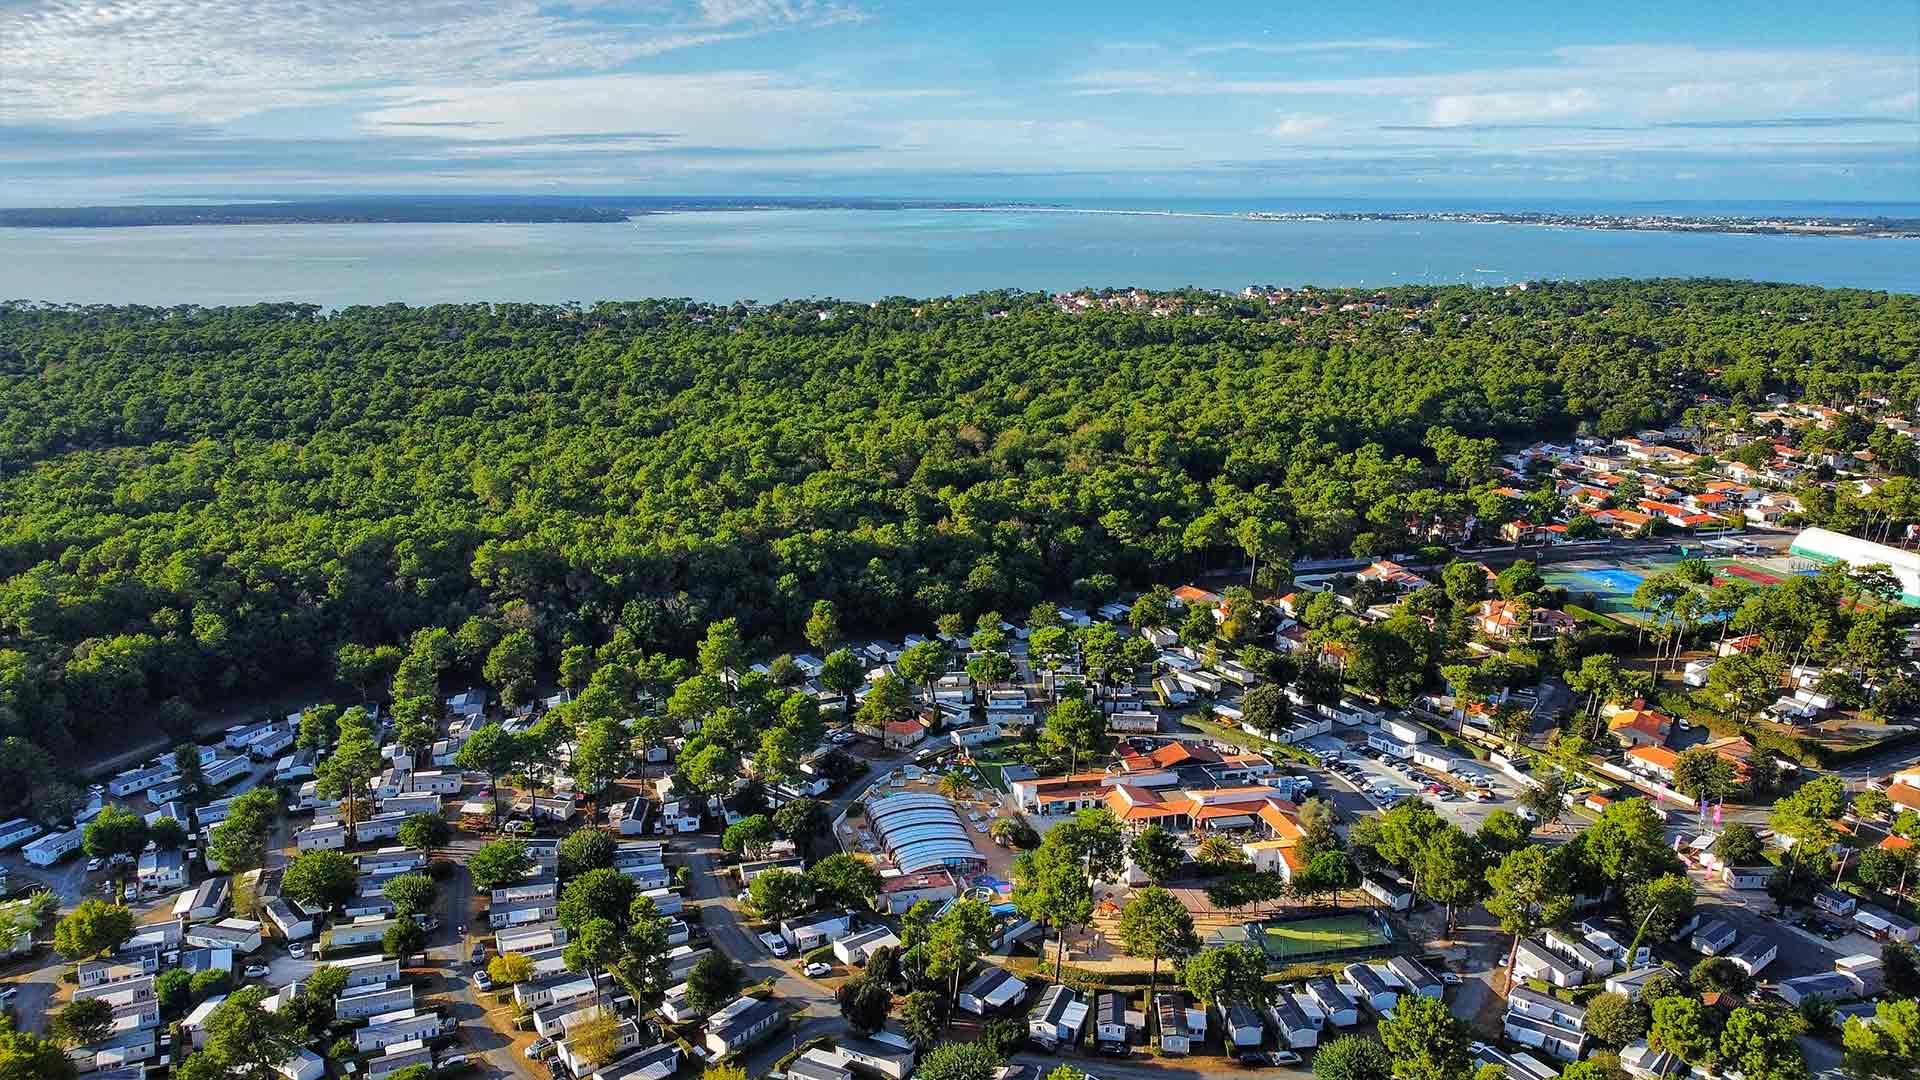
1311,937
1608,587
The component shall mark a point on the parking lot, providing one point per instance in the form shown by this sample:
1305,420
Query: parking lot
1372,782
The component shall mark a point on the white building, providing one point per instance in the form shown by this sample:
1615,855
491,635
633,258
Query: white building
404,1025
331,836
53,847
16,832
1057,1018
993,989
1825,546
362,1002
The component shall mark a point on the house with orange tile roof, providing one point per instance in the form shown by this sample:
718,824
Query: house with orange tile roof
1622,522
1640,726
1395,577
1063,794
901,734
1193,594
1904,796
1657,761
1890,842
1509,620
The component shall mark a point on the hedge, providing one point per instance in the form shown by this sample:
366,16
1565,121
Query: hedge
811,1044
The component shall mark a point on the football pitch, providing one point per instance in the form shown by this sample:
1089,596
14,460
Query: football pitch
1307,937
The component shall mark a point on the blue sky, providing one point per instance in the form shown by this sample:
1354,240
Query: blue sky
137,98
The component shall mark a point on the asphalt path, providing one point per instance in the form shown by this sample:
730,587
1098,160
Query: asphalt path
810,1004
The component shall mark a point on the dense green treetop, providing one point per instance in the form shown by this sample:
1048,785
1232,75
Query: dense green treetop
199,502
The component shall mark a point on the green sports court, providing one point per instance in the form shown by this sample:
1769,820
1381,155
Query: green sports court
1299,938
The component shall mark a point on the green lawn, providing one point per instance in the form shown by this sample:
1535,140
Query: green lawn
1320,935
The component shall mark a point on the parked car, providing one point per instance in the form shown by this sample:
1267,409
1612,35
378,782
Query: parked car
1282,1057
255,971
538,1049
297,950
1450,978
817,969
481,982
93,866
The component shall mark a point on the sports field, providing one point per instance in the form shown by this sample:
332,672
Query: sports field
1308,937
1607,586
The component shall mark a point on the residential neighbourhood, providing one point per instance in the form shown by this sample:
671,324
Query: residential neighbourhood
1632,745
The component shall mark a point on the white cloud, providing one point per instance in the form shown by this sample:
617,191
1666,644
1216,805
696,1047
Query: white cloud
1449,110
1299,126
222,59
1287,48
1630,83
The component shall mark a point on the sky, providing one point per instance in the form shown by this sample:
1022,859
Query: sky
140,99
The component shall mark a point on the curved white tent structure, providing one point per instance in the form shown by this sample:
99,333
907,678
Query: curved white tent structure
921,832
1827,546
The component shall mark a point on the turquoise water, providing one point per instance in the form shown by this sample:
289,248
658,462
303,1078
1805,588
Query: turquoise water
867,254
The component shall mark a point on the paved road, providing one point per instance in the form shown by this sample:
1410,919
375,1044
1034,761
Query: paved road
1141,1067
811,1004
457,907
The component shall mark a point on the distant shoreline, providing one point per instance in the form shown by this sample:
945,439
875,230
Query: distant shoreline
609,211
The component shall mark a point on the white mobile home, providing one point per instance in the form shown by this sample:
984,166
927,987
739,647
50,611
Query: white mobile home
1396,895
743,1023
362,1002
1058,1018
398,1027
17,832
381,826
856,947
331,836
1373,991
1753,954
359,932
289,920
204,901
1338,1007
808,933
227,771
1242,1026
1110,1027
1715,937
993,989
1565,1044
134,781
53,847
367,970
1415,977
1291,1024
1171,1012
1533,960
501,916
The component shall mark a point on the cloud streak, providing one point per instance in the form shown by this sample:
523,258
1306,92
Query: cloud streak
223,59
301,94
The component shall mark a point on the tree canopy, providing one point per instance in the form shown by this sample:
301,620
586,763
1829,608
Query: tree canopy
203,502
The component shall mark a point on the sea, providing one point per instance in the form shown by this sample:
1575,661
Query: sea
864,254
